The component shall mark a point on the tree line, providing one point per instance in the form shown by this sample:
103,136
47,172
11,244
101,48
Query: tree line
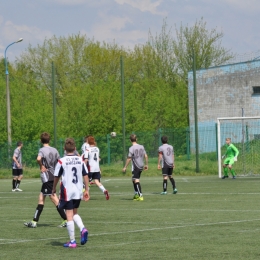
88,83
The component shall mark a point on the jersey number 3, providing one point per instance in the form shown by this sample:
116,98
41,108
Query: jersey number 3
75,180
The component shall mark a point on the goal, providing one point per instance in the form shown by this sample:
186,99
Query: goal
245,135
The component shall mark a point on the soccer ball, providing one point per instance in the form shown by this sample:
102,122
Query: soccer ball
113,134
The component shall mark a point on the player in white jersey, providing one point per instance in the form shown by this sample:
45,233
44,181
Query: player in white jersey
72,171
85,145
166,163
47,159
91,157
137,154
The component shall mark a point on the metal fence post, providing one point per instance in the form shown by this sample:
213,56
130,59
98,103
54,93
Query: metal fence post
108,150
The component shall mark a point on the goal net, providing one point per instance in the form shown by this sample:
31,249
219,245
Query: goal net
245,135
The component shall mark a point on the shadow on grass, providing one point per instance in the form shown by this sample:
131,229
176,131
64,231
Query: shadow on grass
56,243
91,198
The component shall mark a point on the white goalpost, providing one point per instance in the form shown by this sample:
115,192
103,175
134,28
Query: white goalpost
244,132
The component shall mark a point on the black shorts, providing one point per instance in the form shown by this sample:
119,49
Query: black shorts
71,204
94,175
47,188
167,171
17,172
136,174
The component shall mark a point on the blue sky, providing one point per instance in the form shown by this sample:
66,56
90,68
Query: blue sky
127,22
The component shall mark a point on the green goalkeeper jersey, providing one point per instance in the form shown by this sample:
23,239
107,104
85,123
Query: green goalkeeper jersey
232,151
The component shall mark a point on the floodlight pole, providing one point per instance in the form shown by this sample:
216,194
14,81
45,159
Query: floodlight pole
8,109
54,105
123,107
195,112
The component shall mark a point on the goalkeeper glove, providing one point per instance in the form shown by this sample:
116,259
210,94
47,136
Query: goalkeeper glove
223,156
235,159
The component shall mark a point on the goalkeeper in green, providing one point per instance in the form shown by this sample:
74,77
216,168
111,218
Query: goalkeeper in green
231,157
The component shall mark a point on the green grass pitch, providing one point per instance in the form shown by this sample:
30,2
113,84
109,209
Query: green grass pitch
208,218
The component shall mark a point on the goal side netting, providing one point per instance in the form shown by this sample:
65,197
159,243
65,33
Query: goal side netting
245,135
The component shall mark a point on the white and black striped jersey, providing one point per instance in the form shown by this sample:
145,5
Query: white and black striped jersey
71,169
167,153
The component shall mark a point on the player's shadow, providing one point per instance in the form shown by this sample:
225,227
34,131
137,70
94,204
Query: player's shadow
44,225
56,243
91,198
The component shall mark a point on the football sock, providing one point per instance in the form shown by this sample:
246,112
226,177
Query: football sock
232,172
173,183
14,184
18,183
38,212
71,230
138,186
226,171
164,185
77,219
62,213
101,187
135,188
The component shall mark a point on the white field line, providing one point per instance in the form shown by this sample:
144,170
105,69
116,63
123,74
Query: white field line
98,192
13,241
153,209
23,181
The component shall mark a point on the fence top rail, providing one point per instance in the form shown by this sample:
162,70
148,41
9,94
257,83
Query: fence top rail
238,118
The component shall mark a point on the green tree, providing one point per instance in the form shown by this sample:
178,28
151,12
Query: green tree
87,80
86,73
176,52
207,46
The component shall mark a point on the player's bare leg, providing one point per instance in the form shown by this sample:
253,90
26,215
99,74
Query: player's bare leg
102,188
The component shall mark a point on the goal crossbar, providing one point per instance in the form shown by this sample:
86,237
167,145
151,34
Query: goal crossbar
219,136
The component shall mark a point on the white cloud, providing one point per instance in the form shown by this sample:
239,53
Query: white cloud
12,31
111,28
143,5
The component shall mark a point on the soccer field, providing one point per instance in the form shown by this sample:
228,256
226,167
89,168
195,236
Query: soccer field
209,218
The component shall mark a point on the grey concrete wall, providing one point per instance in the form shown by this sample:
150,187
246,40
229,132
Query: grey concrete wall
223,92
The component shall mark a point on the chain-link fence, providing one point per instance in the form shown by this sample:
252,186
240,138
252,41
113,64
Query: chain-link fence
111,148
112,152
